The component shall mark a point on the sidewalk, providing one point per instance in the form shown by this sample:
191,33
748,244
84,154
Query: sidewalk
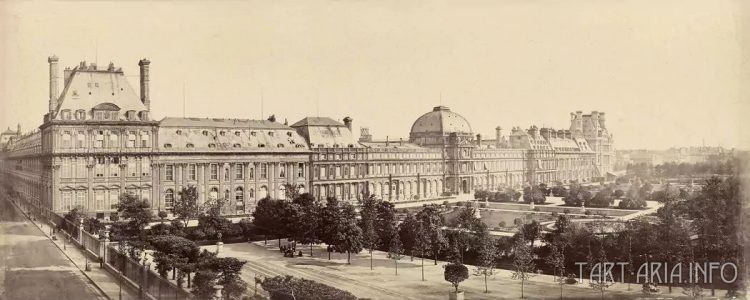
107,283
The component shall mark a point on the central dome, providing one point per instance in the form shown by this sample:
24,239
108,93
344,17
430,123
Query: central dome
438,123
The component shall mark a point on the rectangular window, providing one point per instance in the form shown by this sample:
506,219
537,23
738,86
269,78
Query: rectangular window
114,199
99,168
251,172
99,199
145,142
131,140
80,198
114,167
81,140
192,172
239,173
66,199
300,170
81,167
169,172
263,171
214,172
113,140
66,139
99,142
145,167
66,168
132,172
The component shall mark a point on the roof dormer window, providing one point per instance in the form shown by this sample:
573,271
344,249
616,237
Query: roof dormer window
237,146
261,145
252,133
167,145
270,133
289,134
190,145
222,133
178,131
237,133
280,145
211,145
205,132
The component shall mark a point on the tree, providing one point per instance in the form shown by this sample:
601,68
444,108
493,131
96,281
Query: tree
186,206
203,284
212,222
455,273
349,236
173,251
556,259
408,232
309,219
422,243
598,262
330,219
265,217
386,224
523,261
137,214
432,224
226,270
486,257
533,194
531,232
395,250
368,212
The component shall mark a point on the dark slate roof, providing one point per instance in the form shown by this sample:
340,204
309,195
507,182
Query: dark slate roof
317,121
221,123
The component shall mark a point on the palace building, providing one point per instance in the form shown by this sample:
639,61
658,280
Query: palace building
98,141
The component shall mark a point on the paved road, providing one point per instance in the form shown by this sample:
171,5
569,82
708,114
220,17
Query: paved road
31,267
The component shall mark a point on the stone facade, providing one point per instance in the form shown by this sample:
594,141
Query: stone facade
97,141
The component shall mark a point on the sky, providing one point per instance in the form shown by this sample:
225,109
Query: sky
667,73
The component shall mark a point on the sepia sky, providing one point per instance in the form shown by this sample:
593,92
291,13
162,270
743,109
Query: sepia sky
665,72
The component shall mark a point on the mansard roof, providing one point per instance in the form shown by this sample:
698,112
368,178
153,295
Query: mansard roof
318,121
221,123
325,132
88,88
234,135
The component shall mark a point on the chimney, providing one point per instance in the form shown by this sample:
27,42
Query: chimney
567,134
145,95
479,140
18,129
601,120
498,136
364,134
54,91
533,131
401,141
348,123
66,75
386,141
545,133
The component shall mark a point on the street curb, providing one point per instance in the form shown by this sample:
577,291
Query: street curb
98,288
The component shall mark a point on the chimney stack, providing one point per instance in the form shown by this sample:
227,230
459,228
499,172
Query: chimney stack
479,140
387,142
561,134
568,134
498,136
348,123
364,135
601,120
145,94
545,133
54,91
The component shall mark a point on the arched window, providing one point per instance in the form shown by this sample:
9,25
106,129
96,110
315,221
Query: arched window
213,194
169,198
239,203
238,194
